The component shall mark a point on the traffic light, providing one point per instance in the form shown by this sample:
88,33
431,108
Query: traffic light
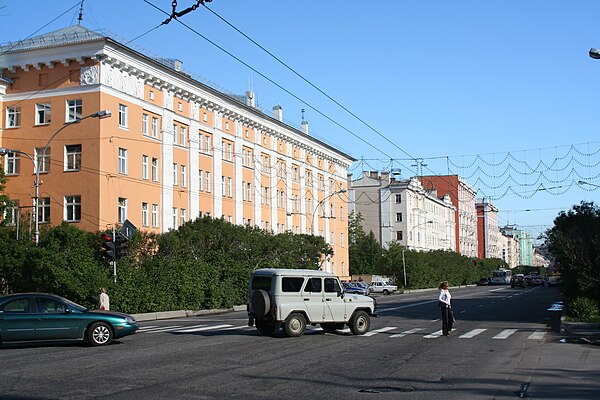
120,246
108,244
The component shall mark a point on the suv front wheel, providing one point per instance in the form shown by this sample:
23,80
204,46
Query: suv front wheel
360,323
295,325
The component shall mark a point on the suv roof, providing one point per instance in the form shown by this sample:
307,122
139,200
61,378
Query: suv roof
291,272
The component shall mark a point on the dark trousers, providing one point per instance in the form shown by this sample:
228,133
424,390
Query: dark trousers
447,318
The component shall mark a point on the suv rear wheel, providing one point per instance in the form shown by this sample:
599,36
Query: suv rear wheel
295,325
360,323
266,328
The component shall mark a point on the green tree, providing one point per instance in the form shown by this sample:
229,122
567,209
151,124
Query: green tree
574,241
365,252
5,202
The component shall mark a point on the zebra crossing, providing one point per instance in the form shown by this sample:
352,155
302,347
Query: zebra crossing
389,331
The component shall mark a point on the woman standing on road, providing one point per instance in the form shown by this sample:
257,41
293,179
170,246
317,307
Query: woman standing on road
444,304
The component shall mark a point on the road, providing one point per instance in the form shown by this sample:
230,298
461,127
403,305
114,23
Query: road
503,346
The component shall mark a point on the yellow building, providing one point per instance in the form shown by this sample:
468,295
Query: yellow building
173,149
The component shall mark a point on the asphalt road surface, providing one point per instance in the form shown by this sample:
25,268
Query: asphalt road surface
505,346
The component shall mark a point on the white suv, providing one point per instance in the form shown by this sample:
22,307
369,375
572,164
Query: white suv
293,298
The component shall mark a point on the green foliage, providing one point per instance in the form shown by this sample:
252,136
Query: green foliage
583,309
203,264
5,202
574,242
365,252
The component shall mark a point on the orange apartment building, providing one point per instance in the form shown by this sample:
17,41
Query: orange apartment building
462,196
173,150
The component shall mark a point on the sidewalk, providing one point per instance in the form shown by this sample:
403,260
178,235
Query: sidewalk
581,332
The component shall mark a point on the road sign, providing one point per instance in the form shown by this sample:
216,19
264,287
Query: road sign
127,230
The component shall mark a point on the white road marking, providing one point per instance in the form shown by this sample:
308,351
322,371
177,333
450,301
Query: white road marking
380,330
143,328
505,334
472,333
434,335
203,328
537,335
162,329
408,332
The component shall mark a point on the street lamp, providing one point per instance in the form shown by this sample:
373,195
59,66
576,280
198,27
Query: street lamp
588,183
594,53
403,260
36,164
312,226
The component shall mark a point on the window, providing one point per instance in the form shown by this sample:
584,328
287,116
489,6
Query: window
155,169
12,163
222,185
228,187
200,140
122,115
73,157
74,110
154,127
175,174
342,239
43,112
399,235
207,144
226,125
175,214
229,152
72,208
205,117
182,216
207,186
398,199
151,94
183,176
313,285
291,284
144,214
200,180
155,215
122,161
249,189
13,117
145,124
43,80
122,210
182,135
145,167
42,160
179,106
398,217
44,210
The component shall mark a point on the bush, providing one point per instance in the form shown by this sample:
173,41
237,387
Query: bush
584,309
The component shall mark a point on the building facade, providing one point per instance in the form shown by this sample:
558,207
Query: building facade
488,233
402,211
462,195
173,150
524,242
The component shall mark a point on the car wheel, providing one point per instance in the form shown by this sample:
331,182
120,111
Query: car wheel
99,334
294,325
329,327
261,303
386,292
266,328
360,323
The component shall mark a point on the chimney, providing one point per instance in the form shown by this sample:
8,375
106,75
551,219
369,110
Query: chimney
178,65
304,123
278,112
250,99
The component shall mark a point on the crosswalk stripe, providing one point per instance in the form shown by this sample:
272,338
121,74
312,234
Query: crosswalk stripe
238,327
505,334
162,329
143,328
472,333
376,331
433,335
202,328
537,335
408,332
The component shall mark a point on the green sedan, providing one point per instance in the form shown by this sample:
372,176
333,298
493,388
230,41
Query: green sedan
37,316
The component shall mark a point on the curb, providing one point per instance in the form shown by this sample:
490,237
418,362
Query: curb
581,332
152,316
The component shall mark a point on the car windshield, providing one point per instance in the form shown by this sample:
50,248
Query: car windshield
75,306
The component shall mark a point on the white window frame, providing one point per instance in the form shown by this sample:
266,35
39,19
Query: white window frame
144,214
121,210
145,167
200,180
182,135
123,117
154,169
73,158
182,216
208,186
12,163
13,117
42,162
154,127
229,182
122,161
74,110
175,173
145,118
155,215
43,113
44,210
183,172
72,208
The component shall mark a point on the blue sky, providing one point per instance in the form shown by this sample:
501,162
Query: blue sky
500,92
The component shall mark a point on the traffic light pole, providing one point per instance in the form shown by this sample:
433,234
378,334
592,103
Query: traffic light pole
115,256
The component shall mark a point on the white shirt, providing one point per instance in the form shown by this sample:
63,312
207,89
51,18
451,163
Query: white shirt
445,296
104,302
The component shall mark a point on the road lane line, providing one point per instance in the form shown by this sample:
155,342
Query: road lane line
143,328
537,335
380,330
505,334
472,333
162,329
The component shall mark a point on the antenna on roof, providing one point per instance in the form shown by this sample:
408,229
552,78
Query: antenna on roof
80,17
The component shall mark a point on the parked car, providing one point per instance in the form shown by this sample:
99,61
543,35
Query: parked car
517,280
536,280
383,287
528,280
351,287
483,282
38,316
364,285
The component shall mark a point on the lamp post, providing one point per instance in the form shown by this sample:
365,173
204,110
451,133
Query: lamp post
312,226
403,260
36,164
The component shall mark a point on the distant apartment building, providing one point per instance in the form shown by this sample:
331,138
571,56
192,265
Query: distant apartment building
402,211
489,243
511,253
525,244
462,196
173,150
